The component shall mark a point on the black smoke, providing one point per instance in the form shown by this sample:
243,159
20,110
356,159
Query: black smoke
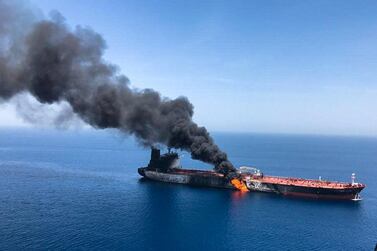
56,64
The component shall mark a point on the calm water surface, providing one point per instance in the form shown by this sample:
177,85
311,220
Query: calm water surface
80,190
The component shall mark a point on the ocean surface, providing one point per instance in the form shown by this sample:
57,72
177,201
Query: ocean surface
81,190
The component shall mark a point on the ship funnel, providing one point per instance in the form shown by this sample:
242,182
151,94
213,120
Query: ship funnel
155,153
155,157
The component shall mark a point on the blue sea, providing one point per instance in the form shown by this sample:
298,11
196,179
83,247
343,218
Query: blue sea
79,189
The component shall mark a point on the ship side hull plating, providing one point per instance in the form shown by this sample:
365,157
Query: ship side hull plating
194,179
208,179
301,191
321,193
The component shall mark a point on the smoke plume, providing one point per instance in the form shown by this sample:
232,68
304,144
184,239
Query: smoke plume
55,64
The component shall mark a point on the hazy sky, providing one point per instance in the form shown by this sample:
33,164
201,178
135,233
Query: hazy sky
256,66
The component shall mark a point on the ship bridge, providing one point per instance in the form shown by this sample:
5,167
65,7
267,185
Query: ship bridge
249,170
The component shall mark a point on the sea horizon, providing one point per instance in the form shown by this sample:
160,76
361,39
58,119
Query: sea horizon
86,128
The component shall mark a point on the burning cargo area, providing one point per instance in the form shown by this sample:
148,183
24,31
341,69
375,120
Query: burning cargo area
166,168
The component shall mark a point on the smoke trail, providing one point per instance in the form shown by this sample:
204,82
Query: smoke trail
56,64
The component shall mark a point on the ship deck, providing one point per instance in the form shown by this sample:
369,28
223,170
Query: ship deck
289,181
196,172
308,182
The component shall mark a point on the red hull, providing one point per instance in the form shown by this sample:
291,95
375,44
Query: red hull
321,196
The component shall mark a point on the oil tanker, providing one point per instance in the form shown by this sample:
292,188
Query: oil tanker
166,168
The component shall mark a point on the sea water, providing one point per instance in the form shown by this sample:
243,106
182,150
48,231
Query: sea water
81,190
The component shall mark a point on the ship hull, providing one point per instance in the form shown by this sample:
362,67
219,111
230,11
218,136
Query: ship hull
211,179
190,177
307,192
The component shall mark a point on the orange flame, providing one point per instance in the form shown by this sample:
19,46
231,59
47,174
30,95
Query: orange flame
240,185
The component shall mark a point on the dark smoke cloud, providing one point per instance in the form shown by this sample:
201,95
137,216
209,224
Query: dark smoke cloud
56,64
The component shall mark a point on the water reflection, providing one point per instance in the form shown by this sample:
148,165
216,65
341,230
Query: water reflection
238,195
